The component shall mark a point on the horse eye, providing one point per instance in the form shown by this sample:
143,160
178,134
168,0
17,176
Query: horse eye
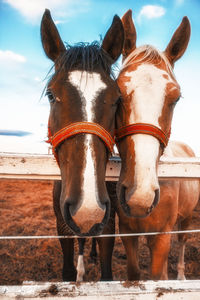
50,95
175,102
177,99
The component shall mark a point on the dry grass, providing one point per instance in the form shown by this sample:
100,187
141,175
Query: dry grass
26,209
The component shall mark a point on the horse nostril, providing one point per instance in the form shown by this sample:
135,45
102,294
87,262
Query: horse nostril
155,202
123,202
157,192
68,219
156,198
72,209
96,229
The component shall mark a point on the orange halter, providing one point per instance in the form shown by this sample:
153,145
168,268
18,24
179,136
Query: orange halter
77,128
143,128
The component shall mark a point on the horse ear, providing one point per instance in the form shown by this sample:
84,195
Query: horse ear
51,41
114,39
129,33
179,41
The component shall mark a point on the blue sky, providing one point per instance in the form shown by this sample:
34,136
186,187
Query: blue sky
23,64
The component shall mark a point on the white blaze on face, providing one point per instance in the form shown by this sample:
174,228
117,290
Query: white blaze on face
89,85
148,87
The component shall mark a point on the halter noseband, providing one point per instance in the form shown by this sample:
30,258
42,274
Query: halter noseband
77,128
143,128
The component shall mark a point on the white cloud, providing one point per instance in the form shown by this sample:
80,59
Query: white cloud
179,2
8,56
58,22
33,10
151,11
37,79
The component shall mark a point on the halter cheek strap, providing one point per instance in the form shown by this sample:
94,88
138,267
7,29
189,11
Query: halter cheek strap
78,128
143,128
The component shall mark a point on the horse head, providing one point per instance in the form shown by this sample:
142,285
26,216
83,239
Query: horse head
150,92
83,100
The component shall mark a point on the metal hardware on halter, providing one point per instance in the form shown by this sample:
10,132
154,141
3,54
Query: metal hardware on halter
77,128
143,128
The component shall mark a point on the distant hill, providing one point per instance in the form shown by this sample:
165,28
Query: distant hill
14,132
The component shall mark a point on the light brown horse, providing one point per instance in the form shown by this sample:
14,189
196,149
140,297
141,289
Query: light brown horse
145,204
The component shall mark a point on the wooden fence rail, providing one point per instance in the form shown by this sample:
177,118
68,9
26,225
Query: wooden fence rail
143,290
26,166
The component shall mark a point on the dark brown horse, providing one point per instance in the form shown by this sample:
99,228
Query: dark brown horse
150,92
83,98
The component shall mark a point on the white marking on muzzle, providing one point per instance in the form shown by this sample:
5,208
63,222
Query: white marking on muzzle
89,85
146,154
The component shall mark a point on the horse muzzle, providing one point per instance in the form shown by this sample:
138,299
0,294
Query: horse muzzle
87,222
138,206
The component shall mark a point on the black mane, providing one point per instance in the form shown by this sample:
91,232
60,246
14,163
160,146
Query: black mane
85,57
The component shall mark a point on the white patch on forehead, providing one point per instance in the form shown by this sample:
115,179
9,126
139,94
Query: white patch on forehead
89,85
148,86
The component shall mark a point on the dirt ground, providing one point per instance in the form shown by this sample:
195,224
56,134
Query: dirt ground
26,209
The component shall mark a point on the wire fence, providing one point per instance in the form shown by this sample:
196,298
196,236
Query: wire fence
40,237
